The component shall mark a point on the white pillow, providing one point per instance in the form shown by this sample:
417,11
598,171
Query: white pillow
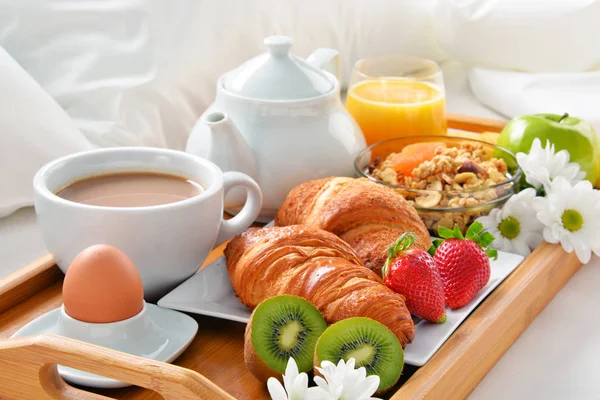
525,35
514,93
141,72
33,130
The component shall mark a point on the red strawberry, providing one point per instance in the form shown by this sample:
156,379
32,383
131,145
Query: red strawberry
413,273
463,263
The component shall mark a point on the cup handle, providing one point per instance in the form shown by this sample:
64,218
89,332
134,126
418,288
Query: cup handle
248,214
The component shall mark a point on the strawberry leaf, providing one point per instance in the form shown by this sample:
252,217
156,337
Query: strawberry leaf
474,233
492,253
434,246
390,252
403,243
474,230
450,233
445,233
485,239
384,270
457,233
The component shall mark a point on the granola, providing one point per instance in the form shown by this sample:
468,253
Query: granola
456,177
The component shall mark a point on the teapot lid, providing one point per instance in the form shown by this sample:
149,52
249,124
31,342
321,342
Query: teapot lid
278,75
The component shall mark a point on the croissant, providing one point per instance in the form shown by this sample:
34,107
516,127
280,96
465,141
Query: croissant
367,215
317,266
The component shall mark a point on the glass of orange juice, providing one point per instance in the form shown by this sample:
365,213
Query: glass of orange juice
395,96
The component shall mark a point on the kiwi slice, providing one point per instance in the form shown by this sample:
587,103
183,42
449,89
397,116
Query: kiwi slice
283,327
370,343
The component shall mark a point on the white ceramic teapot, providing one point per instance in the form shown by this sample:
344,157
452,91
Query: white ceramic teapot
279,119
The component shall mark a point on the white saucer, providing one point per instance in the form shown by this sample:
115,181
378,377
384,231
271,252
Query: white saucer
209,292
155,333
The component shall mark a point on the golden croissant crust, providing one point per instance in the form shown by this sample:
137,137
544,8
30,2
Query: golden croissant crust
366,215
318,266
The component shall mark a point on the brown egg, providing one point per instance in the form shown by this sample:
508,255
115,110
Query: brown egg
102,285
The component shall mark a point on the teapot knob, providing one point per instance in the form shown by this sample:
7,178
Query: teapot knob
279,45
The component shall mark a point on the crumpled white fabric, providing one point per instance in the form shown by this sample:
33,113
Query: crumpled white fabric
523,35
33,130
140,72
527,56
516,93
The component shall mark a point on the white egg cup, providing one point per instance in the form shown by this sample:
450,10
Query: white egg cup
120,335
155,333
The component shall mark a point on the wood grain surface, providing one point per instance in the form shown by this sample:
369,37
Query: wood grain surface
35,358
474,124
25,282
216,354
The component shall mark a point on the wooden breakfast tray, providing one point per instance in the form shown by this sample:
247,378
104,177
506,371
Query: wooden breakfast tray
213,366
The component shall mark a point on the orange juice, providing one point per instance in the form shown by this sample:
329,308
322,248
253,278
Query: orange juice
390,108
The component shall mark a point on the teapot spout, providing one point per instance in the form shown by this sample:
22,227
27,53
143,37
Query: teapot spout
216,138
219,122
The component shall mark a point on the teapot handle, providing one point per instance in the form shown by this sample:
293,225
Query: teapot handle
327,59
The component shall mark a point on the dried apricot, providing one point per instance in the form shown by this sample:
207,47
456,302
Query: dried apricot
414,155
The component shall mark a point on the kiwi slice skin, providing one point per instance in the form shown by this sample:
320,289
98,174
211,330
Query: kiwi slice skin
283,327
372,345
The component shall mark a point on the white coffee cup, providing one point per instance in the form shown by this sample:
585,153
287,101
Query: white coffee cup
167,243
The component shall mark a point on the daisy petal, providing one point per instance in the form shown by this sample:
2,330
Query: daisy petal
350,364
299,387
560,185
521,247
487,222
316,393
550,236
562,157
322,383
565,242
502,244
276,390
291,372
533,239
584,253
368,387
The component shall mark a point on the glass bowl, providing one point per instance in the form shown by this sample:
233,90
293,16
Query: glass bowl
443,201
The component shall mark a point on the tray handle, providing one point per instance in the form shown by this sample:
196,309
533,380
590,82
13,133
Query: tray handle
28,371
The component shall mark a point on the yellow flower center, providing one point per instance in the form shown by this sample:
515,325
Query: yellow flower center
509,227
572,220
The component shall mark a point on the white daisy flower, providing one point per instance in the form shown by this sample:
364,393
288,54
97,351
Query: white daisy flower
515,226
343,382
571,217
295,386
542,165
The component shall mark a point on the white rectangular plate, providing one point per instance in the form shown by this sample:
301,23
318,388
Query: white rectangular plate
209,292
429,337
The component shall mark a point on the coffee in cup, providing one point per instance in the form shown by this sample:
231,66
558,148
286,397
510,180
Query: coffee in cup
133,189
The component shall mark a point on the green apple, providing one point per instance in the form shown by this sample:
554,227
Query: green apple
576,136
